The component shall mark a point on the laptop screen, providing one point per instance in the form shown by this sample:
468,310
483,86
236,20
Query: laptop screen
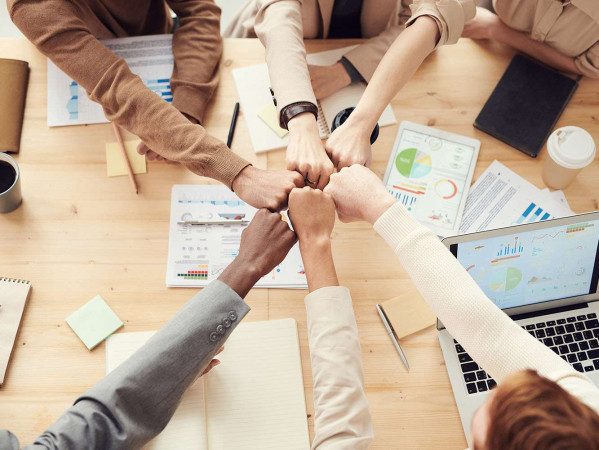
534,266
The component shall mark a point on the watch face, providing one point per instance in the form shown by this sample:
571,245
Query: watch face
342,116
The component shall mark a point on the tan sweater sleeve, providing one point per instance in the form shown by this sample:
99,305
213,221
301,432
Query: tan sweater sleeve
341,416
197,48
588,62
450,16
493,340
278,25
66,40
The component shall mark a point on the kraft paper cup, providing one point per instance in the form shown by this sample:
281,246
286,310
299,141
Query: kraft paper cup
570,149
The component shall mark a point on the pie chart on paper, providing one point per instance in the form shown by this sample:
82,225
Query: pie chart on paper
413,163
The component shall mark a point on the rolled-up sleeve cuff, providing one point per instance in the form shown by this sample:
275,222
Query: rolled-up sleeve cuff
450,15
588,62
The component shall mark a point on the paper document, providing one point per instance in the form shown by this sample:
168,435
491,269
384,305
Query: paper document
198,253
253,85
150,57
501,198
254,399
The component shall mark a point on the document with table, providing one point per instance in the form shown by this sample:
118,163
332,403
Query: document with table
205,234
253,399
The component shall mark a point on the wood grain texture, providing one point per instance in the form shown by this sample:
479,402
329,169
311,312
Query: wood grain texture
79,234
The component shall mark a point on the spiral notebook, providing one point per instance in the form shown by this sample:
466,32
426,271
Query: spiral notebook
13,298
254,96
253,400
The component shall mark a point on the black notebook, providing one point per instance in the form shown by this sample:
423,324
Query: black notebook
526,104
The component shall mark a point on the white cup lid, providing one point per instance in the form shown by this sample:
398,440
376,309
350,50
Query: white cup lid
571,147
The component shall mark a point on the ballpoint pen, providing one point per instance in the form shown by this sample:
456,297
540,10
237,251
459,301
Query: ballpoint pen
392,335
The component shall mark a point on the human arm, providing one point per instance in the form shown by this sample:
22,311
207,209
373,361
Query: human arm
135,401
341,416
350,143
490,337
487,25
278,25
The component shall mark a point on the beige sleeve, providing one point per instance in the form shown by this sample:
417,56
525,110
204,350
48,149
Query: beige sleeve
450,16
278,25
495,342
588,62
341,416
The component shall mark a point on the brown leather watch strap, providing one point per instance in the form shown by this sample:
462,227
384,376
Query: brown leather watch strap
290,111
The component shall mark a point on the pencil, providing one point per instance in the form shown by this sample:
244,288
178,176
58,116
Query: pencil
117,133
233,124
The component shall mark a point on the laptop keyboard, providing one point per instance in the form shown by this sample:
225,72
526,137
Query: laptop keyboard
575,339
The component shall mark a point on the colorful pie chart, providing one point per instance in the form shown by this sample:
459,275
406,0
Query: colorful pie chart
505,279
413,163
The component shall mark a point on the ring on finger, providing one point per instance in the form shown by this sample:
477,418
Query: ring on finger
311,183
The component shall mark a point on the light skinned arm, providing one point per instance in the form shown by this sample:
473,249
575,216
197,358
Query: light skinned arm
487,25
493,340
278,25
350,143
341,416
136,400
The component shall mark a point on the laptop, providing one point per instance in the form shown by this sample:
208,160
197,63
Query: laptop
544,276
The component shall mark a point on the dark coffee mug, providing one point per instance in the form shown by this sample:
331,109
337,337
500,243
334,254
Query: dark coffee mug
10,184
342,117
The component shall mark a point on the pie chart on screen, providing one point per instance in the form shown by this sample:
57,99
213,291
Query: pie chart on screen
446,188
413,163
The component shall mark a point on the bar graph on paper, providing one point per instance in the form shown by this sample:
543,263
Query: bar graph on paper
532,213
408,194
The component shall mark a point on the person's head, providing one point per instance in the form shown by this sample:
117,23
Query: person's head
530,412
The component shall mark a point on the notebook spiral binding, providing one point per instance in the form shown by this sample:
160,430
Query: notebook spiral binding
14,280
322,123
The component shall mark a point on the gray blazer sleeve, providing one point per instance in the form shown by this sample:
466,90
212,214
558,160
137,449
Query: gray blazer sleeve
135,401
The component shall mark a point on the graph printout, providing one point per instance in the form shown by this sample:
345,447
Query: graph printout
430,176
149,57
502,198
205,235
534,266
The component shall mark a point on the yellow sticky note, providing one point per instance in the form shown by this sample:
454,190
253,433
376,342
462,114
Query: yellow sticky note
408,314
115,163
269,116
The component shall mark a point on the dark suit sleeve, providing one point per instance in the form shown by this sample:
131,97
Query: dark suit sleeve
134,403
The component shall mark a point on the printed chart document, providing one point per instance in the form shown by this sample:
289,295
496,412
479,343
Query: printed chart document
501,198
253,84
253,400
205,234
150,57
429,172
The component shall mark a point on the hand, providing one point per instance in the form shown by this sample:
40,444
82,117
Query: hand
327,80
483,26
212,364
305,152
312,213
266,188
348,145
264,244
359,194
151,155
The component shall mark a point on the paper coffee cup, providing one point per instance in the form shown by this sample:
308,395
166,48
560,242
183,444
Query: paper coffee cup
10,184
570,149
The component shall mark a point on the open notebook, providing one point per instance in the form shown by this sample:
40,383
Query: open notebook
253,85
253,400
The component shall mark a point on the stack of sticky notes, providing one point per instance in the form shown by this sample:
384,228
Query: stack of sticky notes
115,163
408,313
94,322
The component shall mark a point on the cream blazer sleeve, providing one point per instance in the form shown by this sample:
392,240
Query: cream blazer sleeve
278,25
450,15
341,416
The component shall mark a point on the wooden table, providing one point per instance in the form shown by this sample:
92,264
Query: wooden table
79,234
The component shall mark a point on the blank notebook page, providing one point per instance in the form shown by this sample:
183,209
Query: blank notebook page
187,428
255,397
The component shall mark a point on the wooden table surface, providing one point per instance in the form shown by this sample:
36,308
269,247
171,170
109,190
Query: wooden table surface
79,234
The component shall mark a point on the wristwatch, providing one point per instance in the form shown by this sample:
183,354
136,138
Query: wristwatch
295,109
